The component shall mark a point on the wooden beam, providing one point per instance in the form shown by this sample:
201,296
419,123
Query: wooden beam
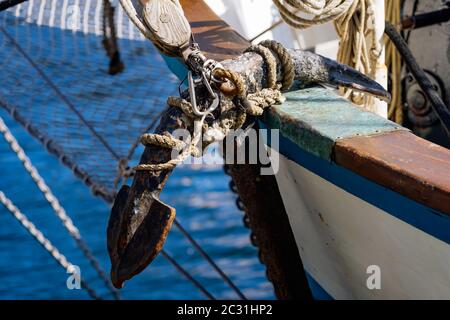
402,162
216,38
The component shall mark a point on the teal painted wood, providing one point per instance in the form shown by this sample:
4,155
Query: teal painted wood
177,67
315,118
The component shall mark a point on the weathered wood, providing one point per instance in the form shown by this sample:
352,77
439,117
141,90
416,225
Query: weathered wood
402,162
216,38
167,23
139,221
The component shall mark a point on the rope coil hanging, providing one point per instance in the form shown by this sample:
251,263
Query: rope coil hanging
322,10
110,39
394,63
354,24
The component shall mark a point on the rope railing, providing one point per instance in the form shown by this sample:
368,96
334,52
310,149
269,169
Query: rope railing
45,243
72,107
57,208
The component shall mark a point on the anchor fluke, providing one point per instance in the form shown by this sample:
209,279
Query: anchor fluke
134,244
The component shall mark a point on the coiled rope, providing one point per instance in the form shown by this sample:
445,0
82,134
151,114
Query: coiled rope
253,104
322,10
56,206
44,242
394,63
354,23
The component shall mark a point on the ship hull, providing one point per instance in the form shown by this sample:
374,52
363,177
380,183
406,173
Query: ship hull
350,231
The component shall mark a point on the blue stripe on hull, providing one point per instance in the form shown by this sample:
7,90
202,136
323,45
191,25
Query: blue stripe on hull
433,222
317,291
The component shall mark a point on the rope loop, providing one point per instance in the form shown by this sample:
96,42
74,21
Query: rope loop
238,84
169,142
271,63
233,86
287,65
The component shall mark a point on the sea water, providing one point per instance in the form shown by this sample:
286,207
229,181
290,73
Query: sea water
205,206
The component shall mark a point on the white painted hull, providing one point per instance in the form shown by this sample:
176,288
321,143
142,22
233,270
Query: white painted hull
339,236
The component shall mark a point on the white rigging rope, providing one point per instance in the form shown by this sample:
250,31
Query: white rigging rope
354,21
44,242
53,201
322,10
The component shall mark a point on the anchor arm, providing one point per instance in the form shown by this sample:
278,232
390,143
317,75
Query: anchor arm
310,68
139,221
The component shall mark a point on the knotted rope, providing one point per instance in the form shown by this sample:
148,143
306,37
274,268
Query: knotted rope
247,104
169,142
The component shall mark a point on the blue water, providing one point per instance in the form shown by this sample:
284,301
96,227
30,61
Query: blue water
205,206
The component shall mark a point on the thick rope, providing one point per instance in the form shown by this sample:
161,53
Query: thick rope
254,104
287,65
44,242
322,10
394,63
230,119
54,203
170,142
235,79
353,20
271,63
